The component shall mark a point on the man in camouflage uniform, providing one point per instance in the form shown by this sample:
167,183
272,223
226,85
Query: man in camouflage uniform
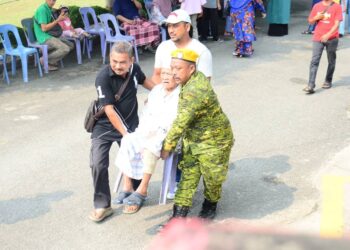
207,137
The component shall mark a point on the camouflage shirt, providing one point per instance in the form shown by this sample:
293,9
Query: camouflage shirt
200,119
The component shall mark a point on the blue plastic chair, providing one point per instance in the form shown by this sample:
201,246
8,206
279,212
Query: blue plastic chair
94,28
112,38
6,76
19,51
149,5
78,47
168,181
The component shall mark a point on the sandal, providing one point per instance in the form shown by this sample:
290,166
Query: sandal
308,90
121,196
133,203
306,32
327,85
100,214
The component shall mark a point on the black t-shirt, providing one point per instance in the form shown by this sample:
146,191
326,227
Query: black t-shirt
107,86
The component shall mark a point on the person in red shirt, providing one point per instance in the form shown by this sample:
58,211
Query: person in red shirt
327,15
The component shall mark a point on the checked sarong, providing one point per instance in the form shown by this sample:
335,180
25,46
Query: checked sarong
145,32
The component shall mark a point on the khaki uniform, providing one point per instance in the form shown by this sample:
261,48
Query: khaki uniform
207,140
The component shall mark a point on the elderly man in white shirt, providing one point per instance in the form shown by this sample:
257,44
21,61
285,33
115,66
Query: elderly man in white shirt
140,150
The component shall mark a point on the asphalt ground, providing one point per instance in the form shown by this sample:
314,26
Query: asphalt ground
286,141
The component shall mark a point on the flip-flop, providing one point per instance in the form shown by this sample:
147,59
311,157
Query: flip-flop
136,200
100,214
121,196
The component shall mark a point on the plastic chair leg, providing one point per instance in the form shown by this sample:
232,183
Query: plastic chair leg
168,177
38,62
173,174
118,181
78,50
46,59
163,33
13,65
136,53
104,53
103,43
6,76
24,61
86,47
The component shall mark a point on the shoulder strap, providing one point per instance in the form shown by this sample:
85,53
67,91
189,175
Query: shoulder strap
123,87
328,7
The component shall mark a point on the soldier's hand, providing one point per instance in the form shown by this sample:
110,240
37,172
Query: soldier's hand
164,154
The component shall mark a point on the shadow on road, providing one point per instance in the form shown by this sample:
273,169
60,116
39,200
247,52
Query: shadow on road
13,211
254,188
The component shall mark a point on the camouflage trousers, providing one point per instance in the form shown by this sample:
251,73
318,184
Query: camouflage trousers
212,165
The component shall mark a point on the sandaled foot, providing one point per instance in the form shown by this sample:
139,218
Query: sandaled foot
121,196
306,32
133,203
327,85
308,90
52,68
100,214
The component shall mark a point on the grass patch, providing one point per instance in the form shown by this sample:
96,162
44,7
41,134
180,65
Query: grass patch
13,11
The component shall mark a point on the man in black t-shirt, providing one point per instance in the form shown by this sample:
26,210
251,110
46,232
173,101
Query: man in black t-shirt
119,119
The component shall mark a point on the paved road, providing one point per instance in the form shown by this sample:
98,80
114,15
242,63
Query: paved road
285,142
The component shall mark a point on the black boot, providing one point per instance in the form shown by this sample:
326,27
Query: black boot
208,210
178,212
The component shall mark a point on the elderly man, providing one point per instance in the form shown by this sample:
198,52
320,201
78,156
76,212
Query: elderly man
140,150
207,137
116,86
43,23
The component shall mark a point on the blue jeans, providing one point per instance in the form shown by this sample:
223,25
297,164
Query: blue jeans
331,48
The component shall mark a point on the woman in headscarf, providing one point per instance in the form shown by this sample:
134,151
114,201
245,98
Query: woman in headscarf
243,22
278,13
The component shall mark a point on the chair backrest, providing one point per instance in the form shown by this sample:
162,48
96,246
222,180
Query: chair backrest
28,28
5,31
84,12
106,19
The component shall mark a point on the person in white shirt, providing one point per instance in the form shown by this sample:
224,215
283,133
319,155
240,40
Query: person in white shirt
194,9
139,151
179,24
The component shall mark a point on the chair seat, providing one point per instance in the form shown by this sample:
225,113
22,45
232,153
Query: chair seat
95,29
122,37
21,50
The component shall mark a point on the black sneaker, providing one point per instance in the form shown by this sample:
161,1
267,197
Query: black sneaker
208,210
178,212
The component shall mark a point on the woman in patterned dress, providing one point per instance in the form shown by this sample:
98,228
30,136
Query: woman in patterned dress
243,21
